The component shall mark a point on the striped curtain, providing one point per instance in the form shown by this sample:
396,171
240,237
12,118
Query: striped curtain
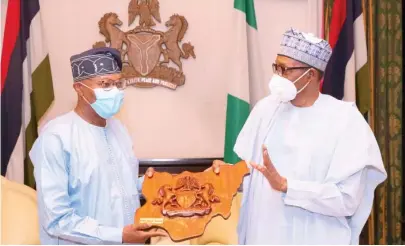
26,87
347,74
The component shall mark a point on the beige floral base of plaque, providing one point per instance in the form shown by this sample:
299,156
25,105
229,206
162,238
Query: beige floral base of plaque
184,204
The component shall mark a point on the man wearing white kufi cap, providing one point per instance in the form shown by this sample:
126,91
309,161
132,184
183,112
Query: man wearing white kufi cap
315,163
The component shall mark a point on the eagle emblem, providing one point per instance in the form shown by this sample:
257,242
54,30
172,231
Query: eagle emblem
150,57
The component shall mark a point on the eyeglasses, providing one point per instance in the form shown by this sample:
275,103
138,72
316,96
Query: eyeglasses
280,70
108,84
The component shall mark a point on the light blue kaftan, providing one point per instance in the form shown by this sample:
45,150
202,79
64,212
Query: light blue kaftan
87,181
332,163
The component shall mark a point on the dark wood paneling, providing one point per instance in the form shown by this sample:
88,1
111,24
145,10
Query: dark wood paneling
176,166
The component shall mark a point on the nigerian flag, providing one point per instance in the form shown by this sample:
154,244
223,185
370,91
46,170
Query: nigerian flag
246,89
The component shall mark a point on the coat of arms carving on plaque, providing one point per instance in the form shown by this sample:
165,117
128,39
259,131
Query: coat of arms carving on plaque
184,204
146,52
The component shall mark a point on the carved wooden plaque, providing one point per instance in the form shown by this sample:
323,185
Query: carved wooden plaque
184,204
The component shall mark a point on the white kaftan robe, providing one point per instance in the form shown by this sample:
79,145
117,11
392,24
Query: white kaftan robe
87,181
332,163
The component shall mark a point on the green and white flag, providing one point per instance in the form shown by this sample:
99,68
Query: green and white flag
247,88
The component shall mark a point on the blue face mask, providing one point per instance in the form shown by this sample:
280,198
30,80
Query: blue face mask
107,103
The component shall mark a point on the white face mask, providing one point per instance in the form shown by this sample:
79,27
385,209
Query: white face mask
283,88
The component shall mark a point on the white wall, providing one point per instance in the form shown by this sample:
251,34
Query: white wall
274,17
195,124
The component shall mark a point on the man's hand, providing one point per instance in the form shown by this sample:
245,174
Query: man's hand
149,172
269,171
216,166
137,234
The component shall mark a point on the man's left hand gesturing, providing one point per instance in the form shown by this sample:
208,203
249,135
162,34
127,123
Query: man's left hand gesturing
276,181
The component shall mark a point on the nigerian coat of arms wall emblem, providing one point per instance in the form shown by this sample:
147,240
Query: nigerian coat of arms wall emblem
146,52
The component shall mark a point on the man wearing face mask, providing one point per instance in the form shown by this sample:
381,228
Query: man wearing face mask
85,170
315,162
